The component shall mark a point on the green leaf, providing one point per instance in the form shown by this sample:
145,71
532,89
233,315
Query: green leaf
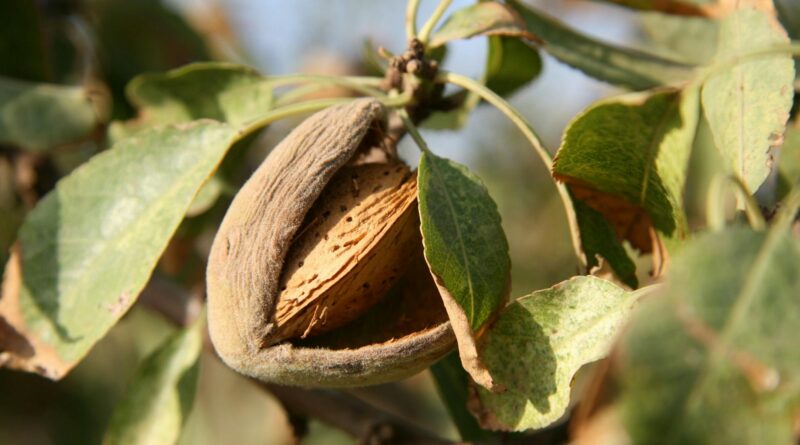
599,239
464,242
747,105
715,359
88,248
539,343
629,154
510,65
466,249
689,39
614,64
158,400
38,116
220,91
452,383
485,18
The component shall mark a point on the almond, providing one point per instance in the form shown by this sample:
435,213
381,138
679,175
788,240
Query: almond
353,247
308,279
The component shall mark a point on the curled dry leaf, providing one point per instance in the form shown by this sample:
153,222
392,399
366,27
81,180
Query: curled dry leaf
314,276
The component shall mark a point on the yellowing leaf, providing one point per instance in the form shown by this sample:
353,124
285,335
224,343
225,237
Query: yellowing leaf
747,104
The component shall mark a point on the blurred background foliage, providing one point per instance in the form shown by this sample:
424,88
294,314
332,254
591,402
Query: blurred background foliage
100,45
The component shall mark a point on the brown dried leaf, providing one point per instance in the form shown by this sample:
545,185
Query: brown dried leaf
20,348
630,222
467,340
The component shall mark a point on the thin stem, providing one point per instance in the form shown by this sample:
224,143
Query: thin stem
298,93
754,215
288,111
367,85
413,131
412,7
526,129
715,211
311,106
427,28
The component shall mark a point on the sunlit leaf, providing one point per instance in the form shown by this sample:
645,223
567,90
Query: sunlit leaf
38,116
614,64
715,359
160,396
539,343
220,91
485,18
627,157
747,104
87,249
466,249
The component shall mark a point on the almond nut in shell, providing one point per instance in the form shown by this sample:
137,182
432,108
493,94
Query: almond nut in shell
316,276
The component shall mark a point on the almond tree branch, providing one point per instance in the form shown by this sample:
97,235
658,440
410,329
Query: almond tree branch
369,424
354,416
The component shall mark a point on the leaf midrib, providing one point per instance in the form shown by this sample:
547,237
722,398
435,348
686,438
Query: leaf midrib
460,237
124,235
